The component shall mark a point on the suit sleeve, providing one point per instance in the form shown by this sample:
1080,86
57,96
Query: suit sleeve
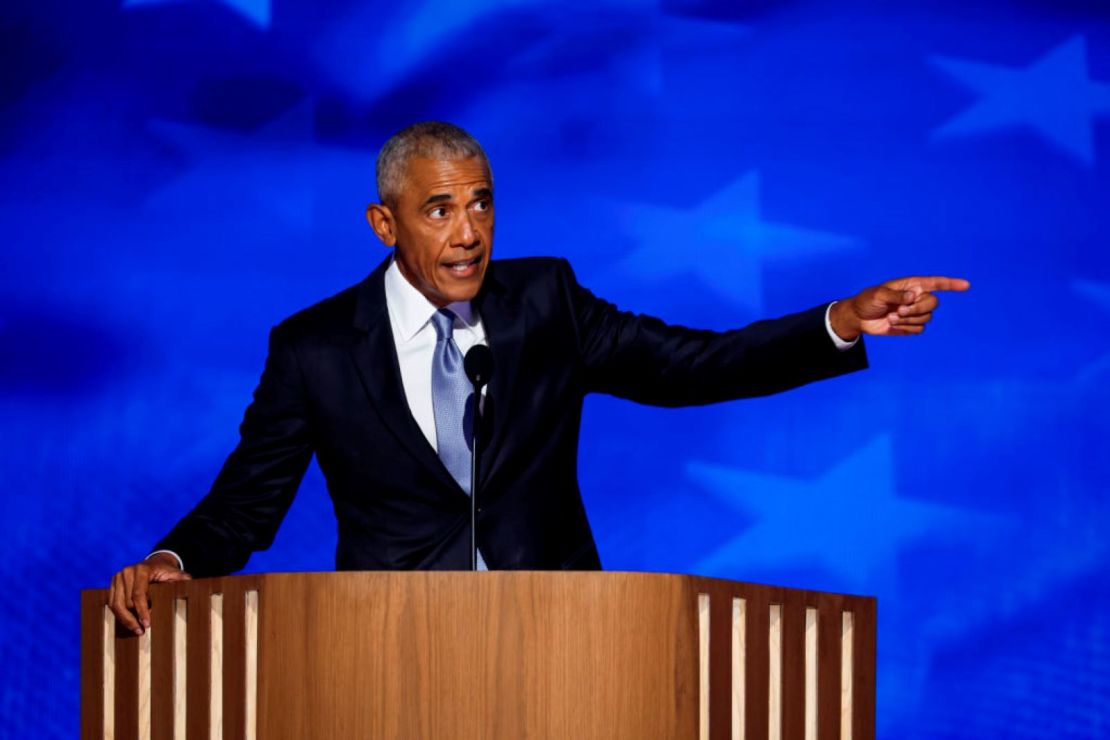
643,359
256,485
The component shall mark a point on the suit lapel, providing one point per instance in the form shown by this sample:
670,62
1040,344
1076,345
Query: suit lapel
375,356
505,323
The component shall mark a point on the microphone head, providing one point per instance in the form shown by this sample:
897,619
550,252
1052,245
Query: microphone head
478,364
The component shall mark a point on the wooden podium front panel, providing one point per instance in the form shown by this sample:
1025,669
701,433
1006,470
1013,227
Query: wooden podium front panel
511,655
501,654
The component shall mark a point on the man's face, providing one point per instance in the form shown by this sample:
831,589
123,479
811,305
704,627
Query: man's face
441,227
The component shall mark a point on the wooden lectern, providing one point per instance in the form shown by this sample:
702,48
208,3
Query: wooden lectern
566,655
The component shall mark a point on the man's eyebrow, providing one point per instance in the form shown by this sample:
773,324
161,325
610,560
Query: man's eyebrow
483,192
437,198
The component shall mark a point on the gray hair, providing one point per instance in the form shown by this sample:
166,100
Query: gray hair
430,139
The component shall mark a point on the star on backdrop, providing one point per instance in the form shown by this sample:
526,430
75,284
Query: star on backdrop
724,242
1097,293
411,45
1094,291
646,38
256,11
280,168
1055,96
794,520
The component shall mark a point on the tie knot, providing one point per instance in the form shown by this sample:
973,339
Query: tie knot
444,323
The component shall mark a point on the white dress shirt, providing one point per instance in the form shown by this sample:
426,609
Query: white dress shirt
414,336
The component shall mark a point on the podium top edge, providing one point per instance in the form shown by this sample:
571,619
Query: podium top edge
697,581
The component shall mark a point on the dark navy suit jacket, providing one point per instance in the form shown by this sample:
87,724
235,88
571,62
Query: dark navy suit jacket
332,387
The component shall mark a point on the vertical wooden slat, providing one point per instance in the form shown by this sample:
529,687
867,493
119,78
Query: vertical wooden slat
720,664
250,688
774,671
180,667
108,673
863,671
92,665
847,675
828,667
812,637
143,686
756,669
127,685
216,667
703,666
196,661
739,663
161,661
793,665
235,665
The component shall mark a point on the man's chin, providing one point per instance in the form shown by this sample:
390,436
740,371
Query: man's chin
458,287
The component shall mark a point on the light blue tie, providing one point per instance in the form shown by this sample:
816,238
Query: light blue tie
451,394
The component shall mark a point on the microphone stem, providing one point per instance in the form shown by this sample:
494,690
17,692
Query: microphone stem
474,479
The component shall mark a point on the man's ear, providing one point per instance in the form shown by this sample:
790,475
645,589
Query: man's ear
381,221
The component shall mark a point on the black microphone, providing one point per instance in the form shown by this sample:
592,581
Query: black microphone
478,365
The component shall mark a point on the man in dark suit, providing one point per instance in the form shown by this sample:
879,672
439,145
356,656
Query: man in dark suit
369,381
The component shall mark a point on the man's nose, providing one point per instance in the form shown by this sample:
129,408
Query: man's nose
466,235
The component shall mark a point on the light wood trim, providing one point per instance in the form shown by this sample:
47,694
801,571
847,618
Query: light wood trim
847,641
250,710
811,674
739,659
774,672
108,641
216,667
144,684
703,666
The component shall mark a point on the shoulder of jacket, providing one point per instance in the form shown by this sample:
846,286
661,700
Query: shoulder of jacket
323,317
531,270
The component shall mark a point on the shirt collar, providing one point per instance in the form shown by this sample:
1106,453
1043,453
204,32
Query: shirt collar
411,310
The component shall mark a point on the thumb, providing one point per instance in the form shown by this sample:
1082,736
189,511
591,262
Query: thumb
167,576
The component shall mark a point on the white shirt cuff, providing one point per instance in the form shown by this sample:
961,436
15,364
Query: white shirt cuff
840,343
171,552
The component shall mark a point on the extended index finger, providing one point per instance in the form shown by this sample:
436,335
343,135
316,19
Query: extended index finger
930,283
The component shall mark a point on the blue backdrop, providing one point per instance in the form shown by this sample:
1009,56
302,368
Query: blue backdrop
179,176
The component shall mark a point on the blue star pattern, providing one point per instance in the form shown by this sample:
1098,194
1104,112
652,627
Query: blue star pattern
180,177
791,517
1097,293
1055,96
724,242
256,11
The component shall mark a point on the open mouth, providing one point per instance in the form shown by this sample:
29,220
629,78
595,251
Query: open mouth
464,268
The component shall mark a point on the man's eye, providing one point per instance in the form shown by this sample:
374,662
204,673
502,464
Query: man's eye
482,205
440,212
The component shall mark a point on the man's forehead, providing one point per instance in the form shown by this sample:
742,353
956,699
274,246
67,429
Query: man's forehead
424,171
